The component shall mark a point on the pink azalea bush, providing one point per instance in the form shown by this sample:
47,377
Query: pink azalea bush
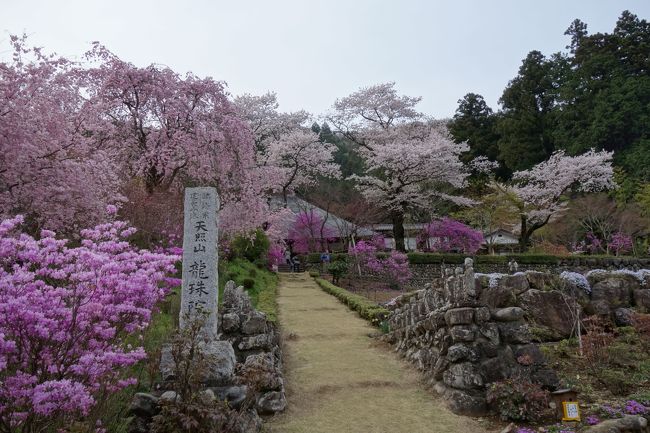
620,243
309,233
65,312
275,255
448,235
394,268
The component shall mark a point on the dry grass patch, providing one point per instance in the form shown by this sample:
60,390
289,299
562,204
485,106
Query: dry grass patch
341,381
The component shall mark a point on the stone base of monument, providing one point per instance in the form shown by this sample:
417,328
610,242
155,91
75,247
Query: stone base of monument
245,368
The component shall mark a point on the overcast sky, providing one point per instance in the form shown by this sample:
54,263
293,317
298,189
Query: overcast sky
311,52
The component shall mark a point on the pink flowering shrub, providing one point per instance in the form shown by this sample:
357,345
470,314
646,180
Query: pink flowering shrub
620,243
394,268
448,235
275,255
309,233
64,314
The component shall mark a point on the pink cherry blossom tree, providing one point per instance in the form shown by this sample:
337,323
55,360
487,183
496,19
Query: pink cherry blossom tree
266,122
298,159
289,154
411,162
52,168
65,313
539,193
172,130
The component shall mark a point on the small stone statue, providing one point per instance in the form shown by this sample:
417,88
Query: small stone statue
513,266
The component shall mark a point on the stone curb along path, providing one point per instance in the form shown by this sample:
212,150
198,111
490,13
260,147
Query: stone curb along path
341,380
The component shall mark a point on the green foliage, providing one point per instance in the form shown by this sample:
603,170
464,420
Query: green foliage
516,399
367,309
315,257
314,273
337,269
264,284
525,123
253,247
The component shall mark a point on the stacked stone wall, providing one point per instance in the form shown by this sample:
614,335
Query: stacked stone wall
461,345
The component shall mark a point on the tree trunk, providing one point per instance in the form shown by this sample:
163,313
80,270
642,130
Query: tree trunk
524,236
527,231
398,230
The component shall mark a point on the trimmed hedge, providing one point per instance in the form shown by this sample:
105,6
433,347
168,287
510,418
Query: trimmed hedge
367,309
458,259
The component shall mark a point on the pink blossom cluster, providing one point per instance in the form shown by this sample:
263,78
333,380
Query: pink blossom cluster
540,189
618,243
275,255
394,268
310,233
65,314
449,235
75,133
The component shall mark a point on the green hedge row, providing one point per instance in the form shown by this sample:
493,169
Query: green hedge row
453,259
367,309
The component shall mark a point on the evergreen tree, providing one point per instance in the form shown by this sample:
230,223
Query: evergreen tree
526,123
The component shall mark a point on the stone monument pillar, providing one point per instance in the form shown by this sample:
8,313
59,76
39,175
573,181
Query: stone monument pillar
200,292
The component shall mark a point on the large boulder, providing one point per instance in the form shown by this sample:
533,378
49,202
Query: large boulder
627,424
221,362
459,316
498,296
463,375
271,403
543,280
465,403
641,299
615,290
517,283
255,323
143,405
547,310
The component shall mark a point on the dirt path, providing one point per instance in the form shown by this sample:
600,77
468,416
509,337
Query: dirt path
340,381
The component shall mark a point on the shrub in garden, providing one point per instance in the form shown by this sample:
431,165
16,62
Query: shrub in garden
275,255
394,268
309,233
64,314
602,355
620,243
194,410
337,269
367,309
253,247
516,399
448,235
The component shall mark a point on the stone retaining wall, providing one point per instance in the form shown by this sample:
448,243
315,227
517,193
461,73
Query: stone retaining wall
461,345
428,273
472,329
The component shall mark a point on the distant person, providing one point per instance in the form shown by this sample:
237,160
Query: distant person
287,257
295,261
325,257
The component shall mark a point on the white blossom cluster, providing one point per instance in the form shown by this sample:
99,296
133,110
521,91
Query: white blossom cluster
577,280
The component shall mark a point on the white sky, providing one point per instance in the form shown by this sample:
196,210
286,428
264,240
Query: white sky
310,52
